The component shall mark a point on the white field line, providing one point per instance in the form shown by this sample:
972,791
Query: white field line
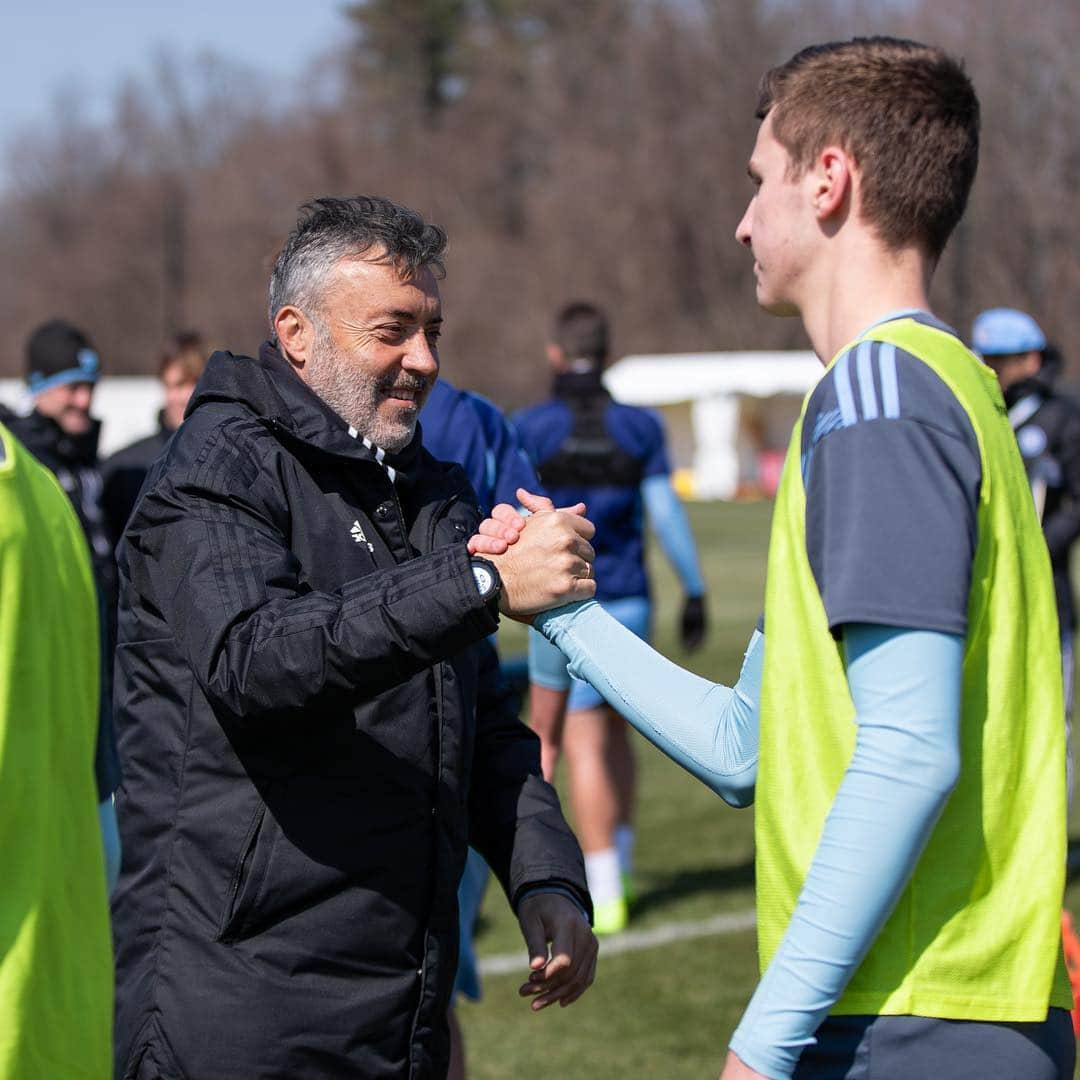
730,922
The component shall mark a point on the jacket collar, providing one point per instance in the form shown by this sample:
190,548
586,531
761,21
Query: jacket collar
268,387
46,435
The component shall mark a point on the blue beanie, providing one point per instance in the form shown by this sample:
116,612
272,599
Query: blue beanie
1004,332
58,353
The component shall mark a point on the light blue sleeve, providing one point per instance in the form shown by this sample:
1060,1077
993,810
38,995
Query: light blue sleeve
905,685
110,839
547,665
667,518
709,729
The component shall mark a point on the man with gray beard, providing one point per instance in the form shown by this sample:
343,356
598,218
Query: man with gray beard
303,696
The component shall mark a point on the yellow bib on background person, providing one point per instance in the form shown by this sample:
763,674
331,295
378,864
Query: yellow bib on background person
56,987
976,933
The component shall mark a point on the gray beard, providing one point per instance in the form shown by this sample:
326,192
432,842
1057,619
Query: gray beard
355,396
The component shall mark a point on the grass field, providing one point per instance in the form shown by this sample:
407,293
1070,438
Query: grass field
666,1011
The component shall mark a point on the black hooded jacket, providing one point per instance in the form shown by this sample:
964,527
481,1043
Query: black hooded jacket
73,460
1047,425
302,648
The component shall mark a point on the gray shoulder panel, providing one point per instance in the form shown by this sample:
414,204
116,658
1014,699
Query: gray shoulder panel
892,474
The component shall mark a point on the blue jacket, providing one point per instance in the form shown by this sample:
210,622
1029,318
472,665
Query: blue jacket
464,427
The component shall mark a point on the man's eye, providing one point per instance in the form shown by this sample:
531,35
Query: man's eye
433,335
392,332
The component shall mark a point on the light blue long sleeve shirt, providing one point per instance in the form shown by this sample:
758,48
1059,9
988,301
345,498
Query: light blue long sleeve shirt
905,685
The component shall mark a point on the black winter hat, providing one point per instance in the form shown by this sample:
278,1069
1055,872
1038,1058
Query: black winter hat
58,353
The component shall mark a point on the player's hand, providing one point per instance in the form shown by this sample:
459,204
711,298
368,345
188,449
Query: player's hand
564,975
498,532
693,623
736,1069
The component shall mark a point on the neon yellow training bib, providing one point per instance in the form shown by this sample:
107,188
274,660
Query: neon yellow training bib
56,983
977,932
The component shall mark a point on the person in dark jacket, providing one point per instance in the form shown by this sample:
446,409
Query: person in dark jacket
1047,424
62,369
302,696
182,362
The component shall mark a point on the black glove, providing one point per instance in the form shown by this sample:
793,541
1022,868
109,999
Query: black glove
692,623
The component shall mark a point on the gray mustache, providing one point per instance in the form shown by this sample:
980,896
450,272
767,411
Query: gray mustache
410,382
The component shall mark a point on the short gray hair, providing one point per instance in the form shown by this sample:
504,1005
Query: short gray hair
330,229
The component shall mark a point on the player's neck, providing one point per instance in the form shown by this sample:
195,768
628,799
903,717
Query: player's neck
858,287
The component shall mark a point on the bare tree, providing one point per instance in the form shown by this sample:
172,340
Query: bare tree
594,149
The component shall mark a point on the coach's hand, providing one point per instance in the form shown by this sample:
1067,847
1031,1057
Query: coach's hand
737,1069
549,563
549,918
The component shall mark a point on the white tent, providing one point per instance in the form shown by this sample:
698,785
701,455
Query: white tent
729,414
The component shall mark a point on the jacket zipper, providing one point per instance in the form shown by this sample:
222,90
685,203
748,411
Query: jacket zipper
436,680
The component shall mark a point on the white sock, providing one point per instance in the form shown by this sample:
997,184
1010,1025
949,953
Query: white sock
624,845
602,873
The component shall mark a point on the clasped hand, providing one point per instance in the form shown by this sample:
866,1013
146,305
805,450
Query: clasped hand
544,560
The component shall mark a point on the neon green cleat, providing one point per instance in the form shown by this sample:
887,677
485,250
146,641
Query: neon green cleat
611,916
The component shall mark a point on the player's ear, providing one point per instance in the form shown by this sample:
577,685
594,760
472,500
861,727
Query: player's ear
833,182
556,358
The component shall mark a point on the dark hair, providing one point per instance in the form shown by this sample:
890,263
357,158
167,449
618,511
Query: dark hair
186,349
907,113
330,229
581,331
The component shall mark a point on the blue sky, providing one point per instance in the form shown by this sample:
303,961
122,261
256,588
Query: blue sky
56,47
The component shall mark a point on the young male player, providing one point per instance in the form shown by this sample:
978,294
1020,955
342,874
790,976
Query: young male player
901,731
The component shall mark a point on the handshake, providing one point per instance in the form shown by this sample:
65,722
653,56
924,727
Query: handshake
545,560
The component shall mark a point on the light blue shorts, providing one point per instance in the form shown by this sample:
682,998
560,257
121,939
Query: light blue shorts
547,665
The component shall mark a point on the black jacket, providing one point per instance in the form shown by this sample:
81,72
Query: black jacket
301,650
123,475
73,459
1047,425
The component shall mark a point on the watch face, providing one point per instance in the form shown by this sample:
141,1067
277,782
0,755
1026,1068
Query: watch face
484,578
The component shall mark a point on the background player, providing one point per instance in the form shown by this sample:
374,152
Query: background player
179,367
1047,426
588,448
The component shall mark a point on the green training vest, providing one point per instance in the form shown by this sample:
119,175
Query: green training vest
56,981
977,932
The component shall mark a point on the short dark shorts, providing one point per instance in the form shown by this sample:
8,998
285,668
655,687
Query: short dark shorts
924,1048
